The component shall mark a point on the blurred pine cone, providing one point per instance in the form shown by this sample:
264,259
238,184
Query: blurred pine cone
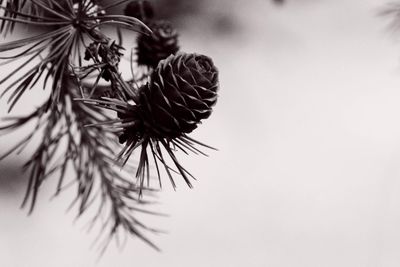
157,46
140,9
181,92
279,2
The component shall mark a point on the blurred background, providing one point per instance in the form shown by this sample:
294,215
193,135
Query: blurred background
308,131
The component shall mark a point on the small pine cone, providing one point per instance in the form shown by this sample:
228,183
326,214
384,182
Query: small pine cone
140,9
181,92
153,48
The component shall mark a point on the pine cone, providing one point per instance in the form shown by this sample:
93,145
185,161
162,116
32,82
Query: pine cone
181,92
157,46
140,9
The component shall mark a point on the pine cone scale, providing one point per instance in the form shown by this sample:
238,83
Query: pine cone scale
188,88
176,94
